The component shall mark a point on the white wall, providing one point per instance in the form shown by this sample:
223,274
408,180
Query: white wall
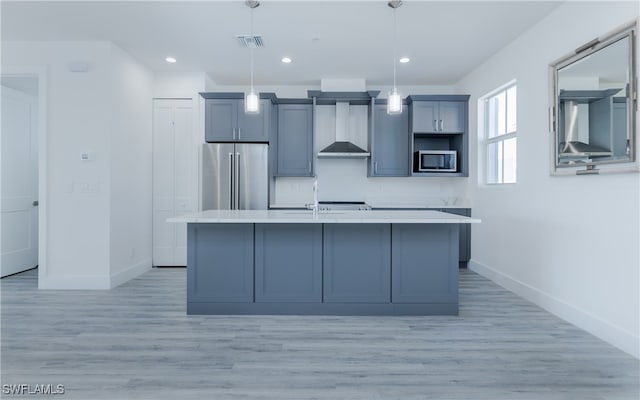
169,85
83,115
78,192
569,244
130,174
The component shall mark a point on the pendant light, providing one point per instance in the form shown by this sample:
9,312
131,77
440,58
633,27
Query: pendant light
251,99
394,99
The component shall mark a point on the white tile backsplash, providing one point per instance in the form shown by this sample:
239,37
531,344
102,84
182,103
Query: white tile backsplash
346,179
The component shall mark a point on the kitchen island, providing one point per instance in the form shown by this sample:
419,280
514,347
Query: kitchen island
329,263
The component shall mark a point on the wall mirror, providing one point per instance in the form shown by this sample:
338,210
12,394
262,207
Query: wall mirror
594,103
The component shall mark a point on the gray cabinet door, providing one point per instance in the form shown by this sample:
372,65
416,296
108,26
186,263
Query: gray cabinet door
452,117
226,121
220,263
295,140
357,263
220,120
619,127
425,117
288,263
438,117
390,147
254,127
424,263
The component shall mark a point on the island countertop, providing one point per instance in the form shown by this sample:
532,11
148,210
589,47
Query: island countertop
324,217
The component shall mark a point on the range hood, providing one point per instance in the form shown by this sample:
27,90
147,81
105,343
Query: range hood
573,147
342,147
585,96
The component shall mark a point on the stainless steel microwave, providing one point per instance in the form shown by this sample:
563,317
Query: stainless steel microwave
436,161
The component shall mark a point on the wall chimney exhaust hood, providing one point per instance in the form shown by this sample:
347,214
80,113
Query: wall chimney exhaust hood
342,147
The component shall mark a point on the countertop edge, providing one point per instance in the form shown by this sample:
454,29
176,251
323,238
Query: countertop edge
302,217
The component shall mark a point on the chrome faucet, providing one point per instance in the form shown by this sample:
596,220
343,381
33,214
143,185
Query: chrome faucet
314,207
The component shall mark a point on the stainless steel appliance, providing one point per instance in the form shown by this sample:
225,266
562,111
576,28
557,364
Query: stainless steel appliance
343,205
436,161
235,176
343,147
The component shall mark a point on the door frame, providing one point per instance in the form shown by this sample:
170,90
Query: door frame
40,73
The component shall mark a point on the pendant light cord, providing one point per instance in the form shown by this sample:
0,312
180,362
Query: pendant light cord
251,50
394,48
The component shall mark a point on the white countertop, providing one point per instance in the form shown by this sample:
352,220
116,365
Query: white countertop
393,206
330,217
385,202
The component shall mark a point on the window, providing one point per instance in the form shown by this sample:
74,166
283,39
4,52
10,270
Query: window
499,130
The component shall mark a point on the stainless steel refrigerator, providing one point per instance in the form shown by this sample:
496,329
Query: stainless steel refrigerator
235,176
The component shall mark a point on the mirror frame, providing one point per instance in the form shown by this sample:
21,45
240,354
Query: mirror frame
629,30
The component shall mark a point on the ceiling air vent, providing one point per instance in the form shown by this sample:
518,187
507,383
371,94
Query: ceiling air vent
250,40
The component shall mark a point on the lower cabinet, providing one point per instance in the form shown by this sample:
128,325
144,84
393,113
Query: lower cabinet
222,272
288,261
357,263
322,269
424,263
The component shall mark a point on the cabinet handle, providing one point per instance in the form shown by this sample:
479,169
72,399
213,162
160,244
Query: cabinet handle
435,124
309,166
375,167
238,134
231,175
238,198
441,125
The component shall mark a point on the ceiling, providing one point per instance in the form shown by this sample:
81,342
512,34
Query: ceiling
326,39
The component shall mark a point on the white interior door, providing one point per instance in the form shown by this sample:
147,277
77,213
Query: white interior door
173,178
19,188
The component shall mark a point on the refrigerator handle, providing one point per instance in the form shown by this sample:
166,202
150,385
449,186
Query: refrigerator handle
237,172
231,207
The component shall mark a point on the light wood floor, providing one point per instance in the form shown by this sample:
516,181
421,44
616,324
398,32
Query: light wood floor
136,342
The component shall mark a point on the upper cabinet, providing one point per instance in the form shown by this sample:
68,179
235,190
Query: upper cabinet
438,117
438,135
389,142
226,121
294,140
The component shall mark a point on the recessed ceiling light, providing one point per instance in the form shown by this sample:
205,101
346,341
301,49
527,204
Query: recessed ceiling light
286,60
405,60
170,60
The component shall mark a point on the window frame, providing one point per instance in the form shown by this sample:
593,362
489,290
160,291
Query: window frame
497,139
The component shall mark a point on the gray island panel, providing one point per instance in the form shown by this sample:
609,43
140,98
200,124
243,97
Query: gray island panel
220,263
357,263
425,266
288,262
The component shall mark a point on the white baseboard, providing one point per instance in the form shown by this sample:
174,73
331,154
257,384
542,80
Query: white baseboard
131,272
610,333
93,282
74,282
